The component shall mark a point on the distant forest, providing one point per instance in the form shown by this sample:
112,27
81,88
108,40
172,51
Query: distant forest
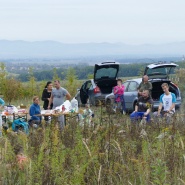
85,72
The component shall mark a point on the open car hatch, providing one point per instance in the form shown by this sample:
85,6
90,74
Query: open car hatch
106,70
160,70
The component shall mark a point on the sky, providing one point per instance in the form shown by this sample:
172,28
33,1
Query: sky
83,21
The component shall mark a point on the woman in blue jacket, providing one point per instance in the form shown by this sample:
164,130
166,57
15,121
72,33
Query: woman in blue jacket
35,111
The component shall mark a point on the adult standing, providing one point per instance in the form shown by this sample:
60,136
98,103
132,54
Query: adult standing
58,95
144,85
46,94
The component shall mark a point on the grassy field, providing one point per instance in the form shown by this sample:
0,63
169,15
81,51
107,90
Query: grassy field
110,150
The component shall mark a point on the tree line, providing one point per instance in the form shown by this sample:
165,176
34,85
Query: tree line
13,89
86,72
82,72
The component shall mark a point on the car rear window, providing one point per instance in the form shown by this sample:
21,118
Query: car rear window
106,73
160,71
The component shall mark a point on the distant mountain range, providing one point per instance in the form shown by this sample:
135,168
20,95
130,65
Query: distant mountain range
53,49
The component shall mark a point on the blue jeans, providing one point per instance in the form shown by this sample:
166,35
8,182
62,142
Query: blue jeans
122,100
37,122
139,115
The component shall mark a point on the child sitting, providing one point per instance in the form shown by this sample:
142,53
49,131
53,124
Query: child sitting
119,101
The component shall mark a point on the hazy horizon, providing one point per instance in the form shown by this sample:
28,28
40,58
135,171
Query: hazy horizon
134,44
50,49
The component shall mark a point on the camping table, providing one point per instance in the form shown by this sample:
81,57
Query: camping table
21,115
67,115
16,116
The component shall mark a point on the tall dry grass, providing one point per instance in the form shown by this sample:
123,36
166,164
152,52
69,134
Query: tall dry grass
111,150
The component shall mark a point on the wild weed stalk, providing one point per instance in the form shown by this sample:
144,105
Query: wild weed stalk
110,150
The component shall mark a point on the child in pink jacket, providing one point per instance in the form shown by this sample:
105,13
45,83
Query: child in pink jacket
119,96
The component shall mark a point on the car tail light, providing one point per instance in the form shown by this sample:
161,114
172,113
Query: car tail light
96,90
178,96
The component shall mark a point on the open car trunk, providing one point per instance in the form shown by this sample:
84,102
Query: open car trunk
106,85
105,75
160,70
157,89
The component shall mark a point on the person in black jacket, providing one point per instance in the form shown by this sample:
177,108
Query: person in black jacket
46,96
143,107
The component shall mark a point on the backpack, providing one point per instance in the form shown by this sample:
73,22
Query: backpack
20,124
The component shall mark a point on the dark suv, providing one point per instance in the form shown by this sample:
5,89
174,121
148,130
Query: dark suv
95,90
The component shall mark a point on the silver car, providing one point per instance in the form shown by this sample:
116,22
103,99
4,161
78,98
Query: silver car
158,73
95,90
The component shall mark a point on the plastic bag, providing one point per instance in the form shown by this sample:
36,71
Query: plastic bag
74,105
66,106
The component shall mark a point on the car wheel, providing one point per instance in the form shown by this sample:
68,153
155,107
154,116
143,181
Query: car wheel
92,101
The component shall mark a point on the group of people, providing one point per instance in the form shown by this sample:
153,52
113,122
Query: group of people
52,97
144,104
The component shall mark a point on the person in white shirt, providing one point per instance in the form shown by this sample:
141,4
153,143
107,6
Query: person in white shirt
167,102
